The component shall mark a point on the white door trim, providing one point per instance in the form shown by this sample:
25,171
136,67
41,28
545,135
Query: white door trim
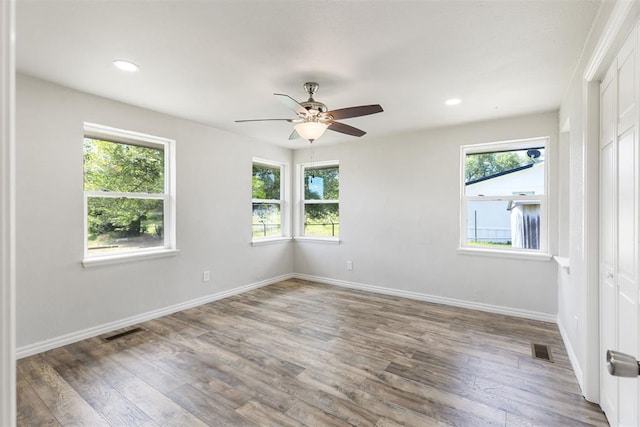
7,209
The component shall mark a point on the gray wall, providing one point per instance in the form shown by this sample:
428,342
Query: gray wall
55,295
399,219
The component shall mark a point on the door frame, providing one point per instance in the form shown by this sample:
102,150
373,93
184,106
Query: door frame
7,215
623,18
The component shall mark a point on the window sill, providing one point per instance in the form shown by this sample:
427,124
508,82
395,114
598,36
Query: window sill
563,262
270,240
326,240
130,257
532,256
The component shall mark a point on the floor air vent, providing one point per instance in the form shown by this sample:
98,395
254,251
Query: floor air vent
541,351
121,334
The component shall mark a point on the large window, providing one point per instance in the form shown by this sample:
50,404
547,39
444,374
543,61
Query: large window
321,205
128,192
267,185
504,196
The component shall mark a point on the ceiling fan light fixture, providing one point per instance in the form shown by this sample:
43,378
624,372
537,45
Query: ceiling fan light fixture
311,130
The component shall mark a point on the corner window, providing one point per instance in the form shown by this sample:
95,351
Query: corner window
504,196
320,216
268,191
128,192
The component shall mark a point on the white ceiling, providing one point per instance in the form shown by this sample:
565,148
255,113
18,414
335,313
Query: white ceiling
217,61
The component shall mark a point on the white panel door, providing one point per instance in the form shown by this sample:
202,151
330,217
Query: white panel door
619,219
627,224
627,272
608,290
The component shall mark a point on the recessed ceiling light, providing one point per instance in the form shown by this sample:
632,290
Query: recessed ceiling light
124,65
453,101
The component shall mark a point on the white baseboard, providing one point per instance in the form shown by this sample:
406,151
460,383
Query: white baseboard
70,338
572,354
507,311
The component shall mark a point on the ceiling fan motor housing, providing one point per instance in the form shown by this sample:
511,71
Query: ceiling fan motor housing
311,88
311,104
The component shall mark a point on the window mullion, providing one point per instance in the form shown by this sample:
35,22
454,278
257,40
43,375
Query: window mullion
538,197
270,201
119,195
320,202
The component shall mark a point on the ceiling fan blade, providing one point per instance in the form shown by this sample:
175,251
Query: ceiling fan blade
292,103
265,120
346,113
342,128
294,135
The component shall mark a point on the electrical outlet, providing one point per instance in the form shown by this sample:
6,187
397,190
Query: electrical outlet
206,276
349,265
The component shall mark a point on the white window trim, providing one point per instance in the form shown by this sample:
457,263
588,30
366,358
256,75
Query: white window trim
299,189
284,202
142,254
92,130
270,240
517,144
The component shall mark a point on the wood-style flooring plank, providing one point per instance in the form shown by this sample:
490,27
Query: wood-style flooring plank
207,408
298,353
64,402
264,415
107,401
31,409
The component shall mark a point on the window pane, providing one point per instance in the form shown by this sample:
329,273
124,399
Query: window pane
266,182
504,224
266,220
125,168
321,219
506,173
322,183
119,224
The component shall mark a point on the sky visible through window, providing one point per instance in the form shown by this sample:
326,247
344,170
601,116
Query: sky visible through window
316,185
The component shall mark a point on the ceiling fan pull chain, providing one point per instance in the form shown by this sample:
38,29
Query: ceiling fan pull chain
312,173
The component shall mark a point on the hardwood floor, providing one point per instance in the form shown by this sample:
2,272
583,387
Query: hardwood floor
299,353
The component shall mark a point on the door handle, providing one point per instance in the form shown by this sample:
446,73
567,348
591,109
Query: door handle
622,365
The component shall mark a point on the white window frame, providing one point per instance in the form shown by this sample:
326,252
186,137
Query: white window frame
285,216
519,144
302,167
97,131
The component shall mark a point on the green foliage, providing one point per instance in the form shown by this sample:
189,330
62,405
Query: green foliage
266,219
110,166
486,164
124,217
124,168
265,182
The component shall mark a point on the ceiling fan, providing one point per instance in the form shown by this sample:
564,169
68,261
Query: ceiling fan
314,118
